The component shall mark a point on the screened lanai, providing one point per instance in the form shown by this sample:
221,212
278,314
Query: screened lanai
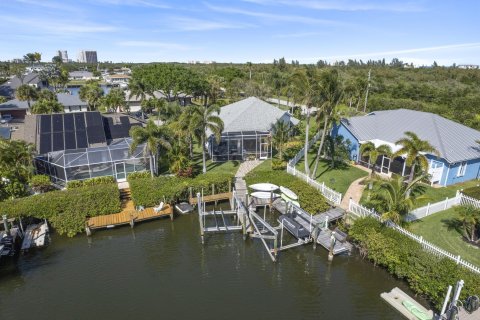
78,164
241,145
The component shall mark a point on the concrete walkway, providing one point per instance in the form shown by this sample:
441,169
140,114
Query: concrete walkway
354,191
240,184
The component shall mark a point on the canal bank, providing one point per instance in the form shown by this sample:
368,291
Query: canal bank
161,270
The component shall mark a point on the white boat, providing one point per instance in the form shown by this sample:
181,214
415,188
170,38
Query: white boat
289,193
264,195
266,187
36,236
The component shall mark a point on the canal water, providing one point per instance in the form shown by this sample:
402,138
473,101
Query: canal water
160,270
75,89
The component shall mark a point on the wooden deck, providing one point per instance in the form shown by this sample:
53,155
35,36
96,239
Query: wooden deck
212,198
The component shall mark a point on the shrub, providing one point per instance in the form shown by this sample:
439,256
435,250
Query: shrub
427,274
40,183
473,192
290,149
278,164
139,174
67,210
149,192
90,182
310,198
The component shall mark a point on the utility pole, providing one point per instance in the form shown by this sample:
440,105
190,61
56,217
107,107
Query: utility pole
366,94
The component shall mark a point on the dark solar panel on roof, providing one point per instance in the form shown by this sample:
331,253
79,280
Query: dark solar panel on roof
57,122
57,141
79,121
45,143
81,139
68,122
45,124
70,141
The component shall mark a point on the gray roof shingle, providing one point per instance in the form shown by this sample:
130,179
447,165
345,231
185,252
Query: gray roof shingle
8,88
454,141
252,114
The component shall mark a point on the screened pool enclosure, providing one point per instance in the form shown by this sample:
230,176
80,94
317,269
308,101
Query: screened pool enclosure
241,145
114,160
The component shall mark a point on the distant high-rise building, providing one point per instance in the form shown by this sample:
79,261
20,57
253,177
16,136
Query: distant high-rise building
87,56
63,55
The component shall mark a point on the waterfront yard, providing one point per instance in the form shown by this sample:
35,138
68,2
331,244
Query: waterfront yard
338,179
443,230
441,193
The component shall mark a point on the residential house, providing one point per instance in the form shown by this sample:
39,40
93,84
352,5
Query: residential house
459,153
81,75
7,89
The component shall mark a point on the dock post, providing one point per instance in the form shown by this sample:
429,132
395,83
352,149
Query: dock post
171,214
244,225
199,206
87,230
5,224
332,245
315,237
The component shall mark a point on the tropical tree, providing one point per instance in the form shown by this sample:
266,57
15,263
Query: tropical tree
368,149
115,99
44,106
414,149
337,149
46,94
331,95
91,93
15,166
30,58
138,90
469,216
26,93
395,199
154,138
306,84
205,118
281,135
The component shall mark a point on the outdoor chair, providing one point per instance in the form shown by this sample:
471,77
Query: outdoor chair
159,208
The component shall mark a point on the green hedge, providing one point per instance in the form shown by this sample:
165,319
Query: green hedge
149,192
473,192
310,198
426,274
66,210
90,182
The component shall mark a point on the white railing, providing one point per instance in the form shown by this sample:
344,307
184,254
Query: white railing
362,211
466,200
330,194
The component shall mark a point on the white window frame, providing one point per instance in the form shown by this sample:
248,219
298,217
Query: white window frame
462,169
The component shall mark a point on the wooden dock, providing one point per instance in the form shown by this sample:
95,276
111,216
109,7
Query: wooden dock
128,215
212,198
341,246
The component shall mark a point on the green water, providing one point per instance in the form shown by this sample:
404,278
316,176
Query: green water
160,270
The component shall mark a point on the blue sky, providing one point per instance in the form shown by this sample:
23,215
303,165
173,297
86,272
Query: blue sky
238,31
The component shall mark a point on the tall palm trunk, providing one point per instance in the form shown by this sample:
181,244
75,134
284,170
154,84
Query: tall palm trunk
151,164
305,153
203,154
322,141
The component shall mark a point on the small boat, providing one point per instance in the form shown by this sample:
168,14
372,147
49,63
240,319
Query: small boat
287,199
36,236
266,187
288,193
264,195
184,207
295,228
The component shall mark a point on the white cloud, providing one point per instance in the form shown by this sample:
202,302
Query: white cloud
396,6
298,35
137,3
272,16
153,44
191,24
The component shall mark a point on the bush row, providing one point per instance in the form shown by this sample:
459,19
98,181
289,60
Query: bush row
149,192
426,274
310,198
90,182
473,192
66,210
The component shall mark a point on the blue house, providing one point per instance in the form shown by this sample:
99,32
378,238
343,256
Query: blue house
459,158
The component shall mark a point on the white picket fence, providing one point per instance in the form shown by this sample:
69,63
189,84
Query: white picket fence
432,208
332,195
362,211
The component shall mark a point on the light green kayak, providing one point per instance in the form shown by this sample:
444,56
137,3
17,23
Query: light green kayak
287,199
412,308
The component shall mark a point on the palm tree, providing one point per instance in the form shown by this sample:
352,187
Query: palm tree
368,149
26,93
138,89
205,118
306,84
154,138
395,199
331,95
414,150
469,216
91,93
44,106
281,135
115,99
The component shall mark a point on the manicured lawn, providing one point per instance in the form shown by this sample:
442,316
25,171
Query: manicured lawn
442,230
439,194
338,179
